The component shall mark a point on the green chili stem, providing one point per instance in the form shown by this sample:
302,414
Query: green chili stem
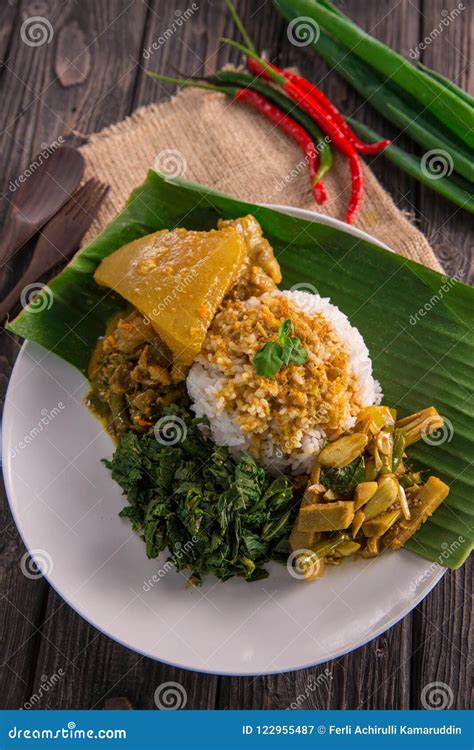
238,22
191,83
249,53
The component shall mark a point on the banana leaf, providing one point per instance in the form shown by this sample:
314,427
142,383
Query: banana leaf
417,324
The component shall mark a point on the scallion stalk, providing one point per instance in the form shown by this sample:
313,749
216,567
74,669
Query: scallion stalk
450,110
449,84
412,165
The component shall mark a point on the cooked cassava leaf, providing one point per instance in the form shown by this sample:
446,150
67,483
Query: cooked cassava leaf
344,481
214,515
385,296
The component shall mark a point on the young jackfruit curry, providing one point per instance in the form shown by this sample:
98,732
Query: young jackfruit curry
248,422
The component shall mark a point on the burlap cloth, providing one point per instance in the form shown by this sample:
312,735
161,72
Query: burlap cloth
204,137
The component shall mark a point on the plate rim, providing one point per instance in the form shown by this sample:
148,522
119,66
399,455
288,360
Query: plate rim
10,494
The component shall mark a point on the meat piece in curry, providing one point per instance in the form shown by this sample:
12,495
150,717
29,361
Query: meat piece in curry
132,375
260,272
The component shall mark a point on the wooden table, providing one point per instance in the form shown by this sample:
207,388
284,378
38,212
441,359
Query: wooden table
42,97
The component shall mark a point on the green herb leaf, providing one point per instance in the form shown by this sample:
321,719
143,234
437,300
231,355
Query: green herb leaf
268,361
277,354
299,355
285,330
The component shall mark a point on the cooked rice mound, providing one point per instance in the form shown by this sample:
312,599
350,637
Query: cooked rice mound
282,421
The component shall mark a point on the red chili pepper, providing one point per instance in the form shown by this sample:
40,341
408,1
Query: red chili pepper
331,128
291,128
357,176
319,191
320,98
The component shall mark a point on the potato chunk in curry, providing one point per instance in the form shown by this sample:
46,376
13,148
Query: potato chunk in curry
177,280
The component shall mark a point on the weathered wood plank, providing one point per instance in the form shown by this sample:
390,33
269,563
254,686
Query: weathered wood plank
9,15
448,227
21,599
442,635
36,108
98,669
442,643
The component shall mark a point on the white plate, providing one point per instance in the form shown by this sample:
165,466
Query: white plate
65,506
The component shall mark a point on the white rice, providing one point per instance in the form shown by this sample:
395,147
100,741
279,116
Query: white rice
354,344
205,380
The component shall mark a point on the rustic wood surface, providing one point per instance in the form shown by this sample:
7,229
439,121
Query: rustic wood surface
91,74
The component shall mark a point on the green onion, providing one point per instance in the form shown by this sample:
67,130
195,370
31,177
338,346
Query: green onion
452,111
449,84
424,134
455,191
405,113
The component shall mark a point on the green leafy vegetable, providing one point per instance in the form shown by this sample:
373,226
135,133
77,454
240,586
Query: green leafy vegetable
344,481
277,354
214,515
268,361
